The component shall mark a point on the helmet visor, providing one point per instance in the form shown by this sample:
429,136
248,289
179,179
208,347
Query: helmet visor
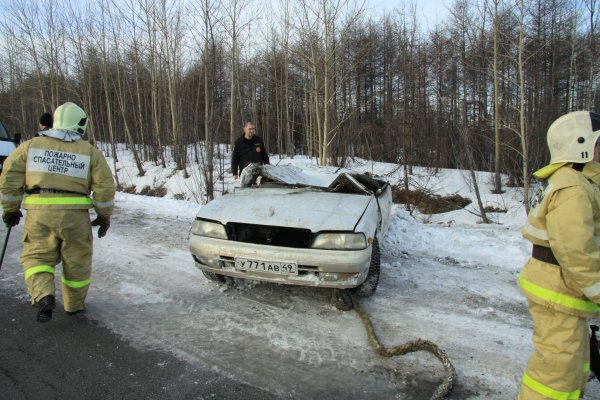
595,121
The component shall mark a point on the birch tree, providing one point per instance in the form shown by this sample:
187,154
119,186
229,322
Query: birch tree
463,21
497,153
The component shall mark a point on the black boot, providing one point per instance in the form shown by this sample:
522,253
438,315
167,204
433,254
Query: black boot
342,299
46,305
76,312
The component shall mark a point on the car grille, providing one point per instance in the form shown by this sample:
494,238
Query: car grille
269,235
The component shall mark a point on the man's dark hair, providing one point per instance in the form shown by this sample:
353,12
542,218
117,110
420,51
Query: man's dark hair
248,121
46,120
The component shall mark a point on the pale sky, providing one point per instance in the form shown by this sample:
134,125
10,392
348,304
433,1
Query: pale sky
429,12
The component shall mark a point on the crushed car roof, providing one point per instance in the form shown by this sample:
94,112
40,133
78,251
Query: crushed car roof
326,178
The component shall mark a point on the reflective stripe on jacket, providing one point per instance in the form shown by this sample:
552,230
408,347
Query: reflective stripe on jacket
565,216
57,200
71,170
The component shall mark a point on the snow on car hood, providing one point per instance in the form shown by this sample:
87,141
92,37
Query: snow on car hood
300,208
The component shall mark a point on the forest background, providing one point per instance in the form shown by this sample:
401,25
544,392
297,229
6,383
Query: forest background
175,80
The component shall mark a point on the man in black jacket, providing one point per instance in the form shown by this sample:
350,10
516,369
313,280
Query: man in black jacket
248,148
45,124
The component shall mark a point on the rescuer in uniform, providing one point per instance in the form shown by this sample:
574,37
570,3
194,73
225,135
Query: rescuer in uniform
58,172
561,280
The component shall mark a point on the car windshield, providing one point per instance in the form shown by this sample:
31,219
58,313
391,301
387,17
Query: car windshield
324,178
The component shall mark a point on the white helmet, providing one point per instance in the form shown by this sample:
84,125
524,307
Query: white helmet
572,137
70,117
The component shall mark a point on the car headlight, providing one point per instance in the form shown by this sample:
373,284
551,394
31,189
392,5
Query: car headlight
340,241
209,229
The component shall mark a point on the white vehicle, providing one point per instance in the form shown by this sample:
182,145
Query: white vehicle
292,226
7,145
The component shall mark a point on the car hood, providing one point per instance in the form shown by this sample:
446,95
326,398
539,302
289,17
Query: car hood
6,148
297,208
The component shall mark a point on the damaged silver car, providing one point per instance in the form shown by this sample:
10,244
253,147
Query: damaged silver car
296,226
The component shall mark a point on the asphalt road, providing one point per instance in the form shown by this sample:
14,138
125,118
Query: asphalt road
71,357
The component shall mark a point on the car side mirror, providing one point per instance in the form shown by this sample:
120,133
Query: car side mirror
17,138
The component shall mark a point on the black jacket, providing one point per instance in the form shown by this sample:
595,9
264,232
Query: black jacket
248,151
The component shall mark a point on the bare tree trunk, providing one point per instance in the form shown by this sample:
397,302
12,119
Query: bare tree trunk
208,141
289,138
121,98
464,124
155,85
497,153
592,4
102,40
234,10
171,44
522,123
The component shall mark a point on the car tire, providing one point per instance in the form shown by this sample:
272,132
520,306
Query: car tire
369,286
214,277
342,299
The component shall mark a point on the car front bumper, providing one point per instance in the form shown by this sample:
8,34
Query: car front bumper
340,269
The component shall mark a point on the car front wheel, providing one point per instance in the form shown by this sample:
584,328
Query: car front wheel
214,277
368,287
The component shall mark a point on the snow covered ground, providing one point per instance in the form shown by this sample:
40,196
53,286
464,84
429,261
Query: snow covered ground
446,278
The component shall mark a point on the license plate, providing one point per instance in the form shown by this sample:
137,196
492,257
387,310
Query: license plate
271,267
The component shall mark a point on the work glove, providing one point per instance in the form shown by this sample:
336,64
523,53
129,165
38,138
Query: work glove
12,218
104,223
